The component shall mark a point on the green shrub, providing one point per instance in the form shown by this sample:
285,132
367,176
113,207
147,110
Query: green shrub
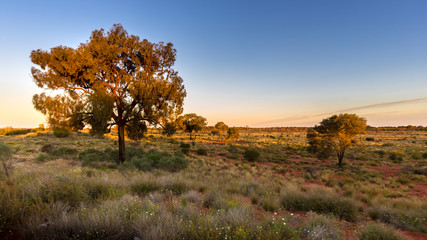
63,152
377,232
156,159
319,227
18,132
94,158
424,156
185,148
320,201
61,132
202,151
251,155
43,157
370,139
396,156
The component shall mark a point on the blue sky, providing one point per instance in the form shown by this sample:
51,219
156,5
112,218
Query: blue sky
256,63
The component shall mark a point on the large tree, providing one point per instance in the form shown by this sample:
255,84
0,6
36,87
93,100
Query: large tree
336,133
112,79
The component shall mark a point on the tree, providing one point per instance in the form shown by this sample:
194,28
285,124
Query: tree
192,122
336,133
112,79
233,133
221,127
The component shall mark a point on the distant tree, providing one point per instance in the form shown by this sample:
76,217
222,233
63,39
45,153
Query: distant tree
233,133
112,79
169,128
221,127
192,123
336,134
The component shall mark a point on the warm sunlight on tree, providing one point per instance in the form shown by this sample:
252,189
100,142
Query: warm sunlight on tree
192,122
221,127
336,134
112,79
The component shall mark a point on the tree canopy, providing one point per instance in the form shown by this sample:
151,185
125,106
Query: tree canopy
112,79
191,122
221,127
336,133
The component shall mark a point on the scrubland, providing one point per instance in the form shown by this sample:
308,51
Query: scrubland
265,185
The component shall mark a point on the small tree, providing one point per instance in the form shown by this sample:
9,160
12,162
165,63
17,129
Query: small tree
191,122
221,127
233,133
335,133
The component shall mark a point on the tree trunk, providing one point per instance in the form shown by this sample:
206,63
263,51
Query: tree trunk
340,158
122,157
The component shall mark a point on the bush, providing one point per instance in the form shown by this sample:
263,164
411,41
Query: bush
61,132
18,132
156,159
63,152
251,155
202,151
370,139
91,156
396,156
377,232
424,156
185,148
319,227
320,201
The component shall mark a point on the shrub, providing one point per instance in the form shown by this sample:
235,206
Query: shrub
424,156
320,227
61,132
320,201
251,155
377,232
63,152
18,132
370,139
43,157
396,156
92,157
202,151
156,159
185,148
270,203
47,148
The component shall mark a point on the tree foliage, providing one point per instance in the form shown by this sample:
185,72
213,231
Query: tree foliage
336,134
192,123
233,133
221,127
112,79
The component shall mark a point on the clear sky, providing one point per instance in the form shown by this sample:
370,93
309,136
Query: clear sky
255,63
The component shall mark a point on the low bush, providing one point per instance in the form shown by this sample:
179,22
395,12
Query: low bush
202,151
185,148
61,132
320,201
396,156
18,132
96,158
251,155
157,159
63,152
377,232
319,227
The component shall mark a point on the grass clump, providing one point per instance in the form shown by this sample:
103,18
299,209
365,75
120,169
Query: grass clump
202,151
377,232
